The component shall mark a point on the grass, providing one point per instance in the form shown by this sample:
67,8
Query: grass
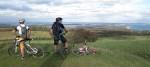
128,51
9,35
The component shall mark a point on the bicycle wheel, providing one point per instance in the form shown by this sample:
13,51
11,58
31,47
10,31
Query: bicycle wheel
12,50
75,52
62,51
91,51
40,52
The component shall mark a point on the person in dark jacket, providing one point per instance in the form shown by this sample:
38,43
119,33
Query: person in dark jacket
58,30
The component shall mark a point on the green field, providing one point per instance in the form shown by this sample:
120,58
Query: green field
127,51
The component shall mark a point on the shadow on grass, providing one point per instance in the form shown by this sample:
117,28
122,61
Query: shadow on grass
54,60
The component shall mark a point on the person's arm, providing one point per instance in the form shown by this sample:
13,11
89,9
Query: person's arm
29,33
15,31
66,31
50,30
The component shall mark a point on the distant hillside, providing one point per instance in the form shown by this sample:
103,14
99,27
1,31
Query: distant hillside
6,26
110,26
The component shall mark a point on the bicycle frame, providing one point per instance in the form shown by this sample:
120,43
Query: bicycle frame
27,46
34,51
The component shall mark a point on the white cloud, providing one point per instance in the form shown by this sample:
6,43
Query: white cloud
82,10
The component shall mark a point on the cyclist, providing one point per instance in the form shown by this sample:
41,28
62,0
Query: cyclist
23,34
59,31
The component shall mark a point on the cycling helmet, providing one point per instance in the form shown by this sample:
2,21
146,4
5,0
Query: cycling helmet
22,20
59,19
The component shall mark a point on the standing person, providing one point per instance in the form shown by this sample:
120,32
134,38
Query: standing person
23,33
59,31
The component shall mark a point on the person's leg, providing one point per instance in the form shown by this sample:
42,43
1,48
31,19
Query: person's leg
55,43
55,48
66,44
22,49
64,41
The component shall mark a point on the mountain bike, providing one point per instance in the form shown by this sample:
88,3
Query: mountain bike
80,52
33,51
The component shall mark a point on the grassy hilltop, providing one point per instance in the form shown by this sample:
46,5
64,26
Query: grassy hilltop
121,51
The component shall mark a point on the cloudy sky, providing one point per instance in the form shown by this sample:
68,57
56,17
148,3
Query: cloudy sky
118,11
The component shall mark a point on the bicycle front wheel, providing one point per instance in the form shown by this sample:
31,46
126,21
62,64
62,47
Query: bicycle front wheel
12,50
40,52
75,52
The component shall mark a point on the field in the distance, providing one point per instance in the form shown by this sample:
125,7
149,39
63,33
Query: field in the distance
127,51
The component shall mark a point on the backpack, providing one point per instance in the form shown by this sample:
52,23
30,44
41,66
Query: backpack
24,32
57,28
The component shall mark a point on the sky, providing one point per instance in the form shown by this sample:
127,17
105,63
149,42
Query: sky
102,11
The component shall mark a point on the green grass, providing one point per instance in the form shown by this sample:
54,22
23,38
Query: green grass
130,51
10,35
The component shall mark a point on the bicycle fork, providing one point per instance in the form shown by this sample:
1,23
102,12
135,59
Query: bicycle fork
16,46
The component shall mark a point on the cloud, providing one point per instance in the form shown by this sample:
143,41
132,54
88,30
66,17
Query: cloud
78,10
39,1
14,6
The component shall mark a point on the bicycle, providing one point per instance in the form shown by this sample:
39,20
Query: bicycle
34,51
79,52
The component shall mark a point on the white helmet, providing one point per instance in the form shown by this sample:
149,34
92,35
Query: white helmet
22,20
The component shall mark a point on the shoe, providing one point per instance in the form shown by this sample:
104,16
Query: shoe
22,58
66,51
